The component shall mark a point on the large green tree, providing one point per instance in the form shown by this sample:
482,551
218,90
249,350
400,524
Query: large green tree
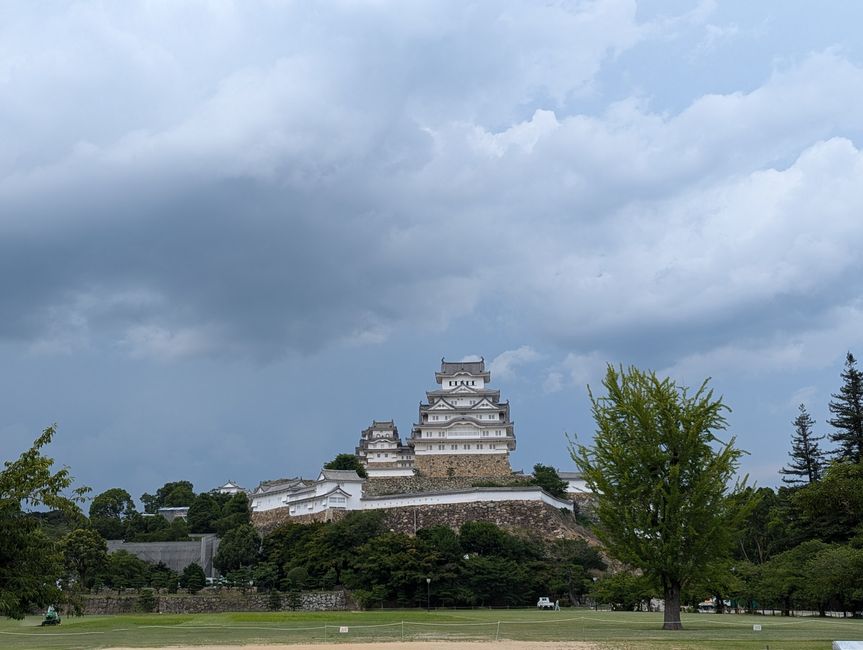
29,563
239,548
663,479
85,554
109,511
847,409
807,459
172,494
549,480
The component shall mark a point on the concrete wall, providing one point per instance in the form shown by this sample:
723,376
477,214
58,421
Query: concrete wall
176,555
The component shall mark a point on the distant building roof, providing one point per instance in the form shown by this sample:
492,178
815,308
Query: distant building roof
340,475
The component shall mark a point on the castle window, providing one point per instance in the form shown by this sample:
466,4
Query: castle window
467,446
453,446
440,447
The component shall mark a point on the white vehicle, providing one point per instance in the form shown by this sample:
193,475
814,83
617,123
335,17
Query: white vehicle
544,603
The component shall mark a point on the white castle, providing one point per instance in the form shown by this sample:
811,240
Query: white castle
464,431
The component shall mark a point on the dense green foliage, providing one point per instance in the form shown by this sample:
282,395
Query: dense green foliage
85,555
109,512
193,578
548,479
238,549
29,562
662,479
478,565
212,512
170,495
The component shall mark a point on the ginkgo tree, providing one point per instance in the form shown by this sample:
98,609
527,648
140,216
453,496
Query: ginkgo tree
668,501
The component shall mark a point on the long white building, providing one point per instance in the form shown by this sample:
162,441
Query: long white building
333,489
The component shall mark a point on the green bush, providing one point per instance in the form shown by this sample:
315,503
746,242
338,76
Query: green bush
146,601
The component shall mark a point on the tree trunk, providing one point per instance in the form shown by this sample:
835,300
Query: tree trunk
671,620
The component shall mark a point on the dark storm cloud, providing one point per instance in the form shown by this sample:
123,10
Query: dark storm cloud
208,183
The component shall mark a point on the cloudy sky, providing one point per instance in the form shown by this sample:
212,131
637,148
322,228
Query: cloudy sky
233,233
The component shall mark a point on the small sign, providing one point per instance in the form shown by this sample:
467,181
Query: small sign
344,629
756,627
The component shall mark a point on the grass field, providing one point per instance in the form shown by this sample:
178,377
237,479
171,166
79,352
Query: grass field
629,630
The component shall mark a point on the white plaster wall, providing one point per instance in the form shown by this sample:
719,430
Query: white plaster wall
431,447
577,486
389,471
468,496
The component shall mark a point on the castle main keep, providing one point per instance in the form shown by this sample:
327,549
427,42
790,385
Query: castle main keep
463,430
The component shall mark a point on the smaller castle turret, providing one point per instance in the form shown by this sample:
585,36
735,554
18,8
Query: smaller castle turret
382,453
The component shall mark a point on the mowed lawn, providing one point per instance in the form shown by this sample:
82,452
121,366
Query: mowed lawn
613,630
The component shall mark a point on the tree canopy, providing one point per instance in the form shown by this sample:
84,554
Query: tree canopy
662,479
172,494
807,459
549,480
847,409
29,567
109,511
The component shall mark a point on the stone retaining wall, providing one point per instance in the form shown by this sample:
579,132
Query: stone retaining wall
377,487
460,465
209,602
526,517
267,520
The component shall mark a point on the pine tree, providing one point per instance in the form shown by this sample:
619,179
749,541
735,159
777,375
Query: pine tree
847,409
807,459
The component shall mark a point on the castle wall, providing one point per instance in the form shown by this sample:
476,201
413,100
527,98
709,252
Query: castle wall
463,465
531,517
409,485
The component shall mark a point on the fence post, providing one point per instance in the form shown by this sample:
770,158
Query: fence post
497,634
403,630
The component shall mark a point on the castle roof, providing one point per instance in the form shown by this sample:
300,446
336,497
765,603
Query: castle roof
451,368
339,475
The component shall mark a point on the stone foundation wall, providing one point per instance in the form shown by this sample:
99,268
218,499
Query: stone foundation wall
268,520
463,465
523,517
378,487
208,602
